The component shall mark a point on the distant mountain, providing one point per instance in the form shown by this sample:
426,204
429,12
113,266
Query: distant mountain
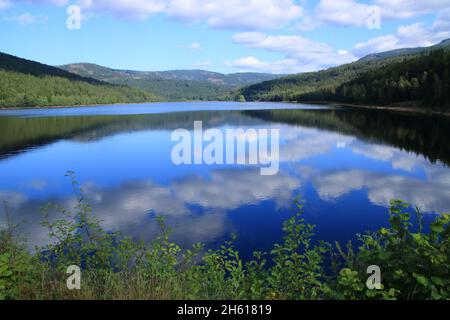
26,83
172,85
302,86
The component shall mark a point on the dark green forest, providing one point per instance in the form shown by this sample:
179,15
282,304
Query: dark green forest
290,88
15,64
26,83
410,77
420,81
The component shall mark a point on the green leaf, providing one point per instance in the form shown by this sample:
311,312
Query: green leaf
421,279
439,281
437,227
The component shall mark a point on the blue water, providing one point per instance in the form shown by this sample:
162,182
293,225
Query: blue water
152,108
125,167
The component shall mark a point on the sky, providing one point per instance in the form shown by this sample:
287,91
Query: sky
273,36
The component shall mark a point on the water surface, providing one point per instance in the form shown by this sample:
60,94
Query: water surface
347,164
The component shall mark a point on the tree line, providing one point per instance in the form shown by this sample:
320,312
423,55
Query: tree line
25,90
25,83
423,80
419,79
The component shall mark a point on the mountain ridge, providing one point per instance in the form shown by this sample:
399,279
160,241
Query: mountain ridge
175,85
175,74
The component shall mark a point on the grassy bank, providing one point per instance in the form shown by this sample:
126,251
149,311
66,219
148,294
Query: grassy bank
414,263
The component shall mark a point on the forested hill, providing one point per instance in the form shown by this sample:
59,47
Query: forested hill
174,84
420,81
19,65
25,83
110,75
321,85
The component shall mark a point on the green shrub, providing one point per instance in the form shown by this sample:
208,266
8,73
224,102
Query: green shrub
414,264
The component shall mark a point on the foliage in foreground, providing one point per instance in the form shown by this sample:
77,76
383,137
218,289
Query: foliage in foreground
414,263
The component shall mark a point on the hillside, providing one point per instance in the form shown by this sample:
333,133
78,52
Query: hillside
407,51
419,81
26,83
19,65
172,85
298,87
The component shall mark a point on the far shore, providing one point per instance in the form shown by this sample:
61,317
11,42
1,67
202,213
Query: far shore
393,108
76,105
110,104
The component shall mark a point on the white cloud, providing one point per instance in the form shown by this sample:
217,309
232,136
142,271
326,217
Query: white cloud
301,54
44,2
378,44
137,9
236,14
249,14
209,192
127,207
441,26
413,35
342,12
399,160
252,64
409,8
252,14
4,4
381,188
306,143
354,13
192,46
308,23
27,18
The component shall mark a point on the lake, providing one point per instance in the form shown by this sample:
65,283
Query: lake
345,163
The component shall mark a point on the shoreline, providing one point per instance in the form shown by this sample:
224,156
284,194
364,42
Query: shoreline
135,103
109,104
75,105
392,108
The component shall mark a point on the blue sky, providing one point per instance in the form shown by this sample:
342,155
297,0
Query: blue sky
277,36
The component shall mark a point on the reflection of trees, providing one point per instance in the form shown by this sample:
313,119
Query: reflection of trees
420,134
18,134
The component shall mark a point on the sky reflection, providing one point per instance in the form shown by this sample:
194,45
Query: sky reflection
347,184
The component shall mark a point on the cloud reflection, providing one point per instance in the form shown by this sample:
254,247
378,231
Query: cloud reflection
381,188
130,206
196,206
